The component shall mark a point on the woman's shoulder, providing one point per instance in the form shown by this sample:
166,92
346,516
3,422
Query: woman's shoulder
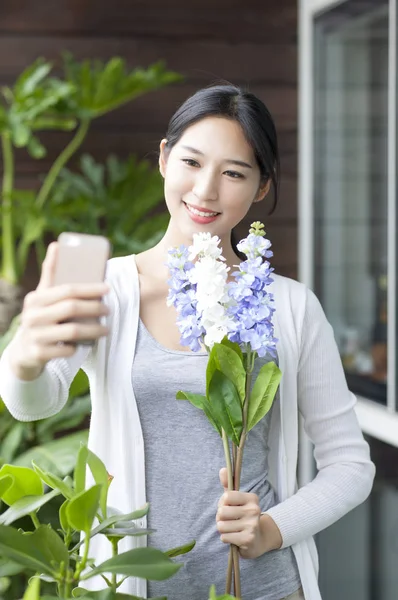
288,290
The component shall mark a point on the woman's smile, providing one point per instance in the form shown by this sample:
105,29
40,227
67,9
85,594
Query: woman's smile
200,216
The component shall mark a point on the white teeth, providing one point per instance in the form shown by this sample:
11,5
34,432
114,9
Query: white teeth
200,213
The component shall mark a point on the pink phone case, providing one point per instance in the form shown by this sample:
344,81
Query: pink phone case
81,258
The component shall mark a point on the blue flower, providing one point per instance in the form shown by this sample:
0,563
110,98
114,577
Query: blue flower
249,308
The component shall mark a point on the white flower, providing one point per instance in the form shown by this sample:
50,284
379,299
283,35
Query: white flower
214,335
210,276
205,245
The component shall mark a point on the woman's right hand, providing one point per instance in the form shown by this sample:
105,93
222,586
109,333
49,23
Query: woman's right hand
44,332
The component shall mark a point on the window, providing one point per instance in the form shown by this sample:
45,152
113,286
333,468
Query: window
351,186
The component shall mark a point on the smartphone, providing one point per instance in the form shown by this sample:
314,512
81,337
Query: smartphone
81,258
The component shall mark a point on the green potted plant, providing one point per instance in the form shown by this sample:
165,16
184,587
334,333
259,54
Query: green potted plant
60,555
38,101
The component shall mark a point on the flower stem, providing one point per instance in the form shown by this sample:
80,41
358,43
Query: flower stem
8,268
61,161
239,458
230,487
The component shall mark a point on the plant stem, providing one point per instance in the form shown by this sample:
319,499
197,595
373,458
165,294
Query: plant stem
8,269
68,583
230,487
114,575
228,460
238,463
61,161
239,459
82,565
35,520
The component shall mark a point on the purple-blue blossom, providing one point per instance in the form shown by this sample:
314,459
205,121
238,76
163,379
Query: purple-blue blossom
250,306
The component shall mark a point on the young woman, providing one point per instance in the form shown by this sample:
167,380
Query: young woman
219,157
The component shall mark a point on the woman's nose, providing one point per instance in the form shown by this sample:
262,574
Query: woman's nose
206,187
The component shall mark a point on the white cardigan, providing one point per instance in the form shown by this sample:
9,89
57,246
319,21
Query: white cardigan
313,384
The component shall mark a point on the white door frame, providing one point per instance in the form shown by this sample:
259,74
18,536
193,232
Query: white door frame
369,413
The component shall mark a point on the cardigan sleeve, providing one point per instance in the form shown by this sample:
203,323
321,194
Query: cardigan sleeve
44,396
47,394
345,471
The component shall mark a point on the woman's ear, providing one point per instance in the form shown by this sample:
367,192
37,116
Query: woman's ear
163,157
263,191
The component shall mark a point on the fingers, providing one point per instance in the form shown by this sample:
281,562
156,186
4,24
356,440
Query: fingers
69,333
235,498
48,266
230,513
60,312
46,296
224,477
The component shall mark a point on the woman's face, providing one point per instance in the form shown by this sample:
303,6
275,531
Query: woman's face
211,178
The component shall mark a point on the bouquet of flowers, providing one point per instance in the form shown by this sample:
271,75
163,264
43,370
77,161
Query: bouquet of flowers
232,319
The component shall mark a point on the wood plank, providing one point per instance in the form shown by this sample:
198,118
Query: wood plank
158,107
101,144
284,239
201,62
206,19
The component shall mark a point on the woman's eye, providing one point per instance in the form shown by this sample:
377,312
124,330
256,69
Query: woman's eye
234,174
190,162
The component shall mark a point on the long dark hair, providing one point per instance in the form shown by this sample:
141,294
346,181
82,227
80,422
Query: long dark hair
250,112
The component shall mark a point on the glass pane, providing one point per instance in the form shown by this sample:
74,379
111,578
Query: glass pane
351,96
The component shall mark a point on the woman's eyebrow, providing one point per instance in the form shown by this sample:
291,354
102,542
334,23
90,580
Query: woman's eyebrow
240,163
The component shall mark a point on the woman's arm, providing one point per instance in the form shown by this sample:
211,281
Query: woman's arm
44,396
345,471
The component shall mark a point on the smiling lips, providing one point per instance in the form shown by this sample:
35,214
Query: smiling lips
201,216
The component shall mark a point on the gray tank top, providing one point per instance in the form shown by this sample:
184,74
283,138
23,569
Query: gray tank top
183,456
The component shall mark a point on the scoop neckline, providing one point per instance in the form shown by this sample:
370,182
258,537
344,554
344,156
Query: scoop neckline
169,350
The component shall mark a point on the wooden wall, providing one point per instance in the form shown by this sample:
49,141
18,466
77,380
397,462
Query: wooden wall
253,43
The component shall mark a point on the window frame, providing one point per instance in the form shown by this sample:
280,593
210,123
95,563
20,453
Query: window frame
375,420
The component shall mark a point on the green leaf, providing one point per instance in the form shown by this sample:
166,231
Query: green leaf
5,483
63,517
195,399
106,594
33,590
58,456
25,483
21,135
115,519
31,77
228,362
234,346
210,370
54,482
147,563
127,531
101,477
8,568
180,550
24,506
37,551
227,406
79,475
71,416
12,441
213,595
201,402
82,509
80,385
263,393
35,148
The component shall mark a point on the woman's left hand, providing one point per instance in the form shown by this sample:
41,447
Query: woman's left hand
240,522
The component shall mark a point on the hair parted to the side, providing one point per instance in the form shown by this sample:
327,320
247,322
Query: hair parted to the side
232,102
